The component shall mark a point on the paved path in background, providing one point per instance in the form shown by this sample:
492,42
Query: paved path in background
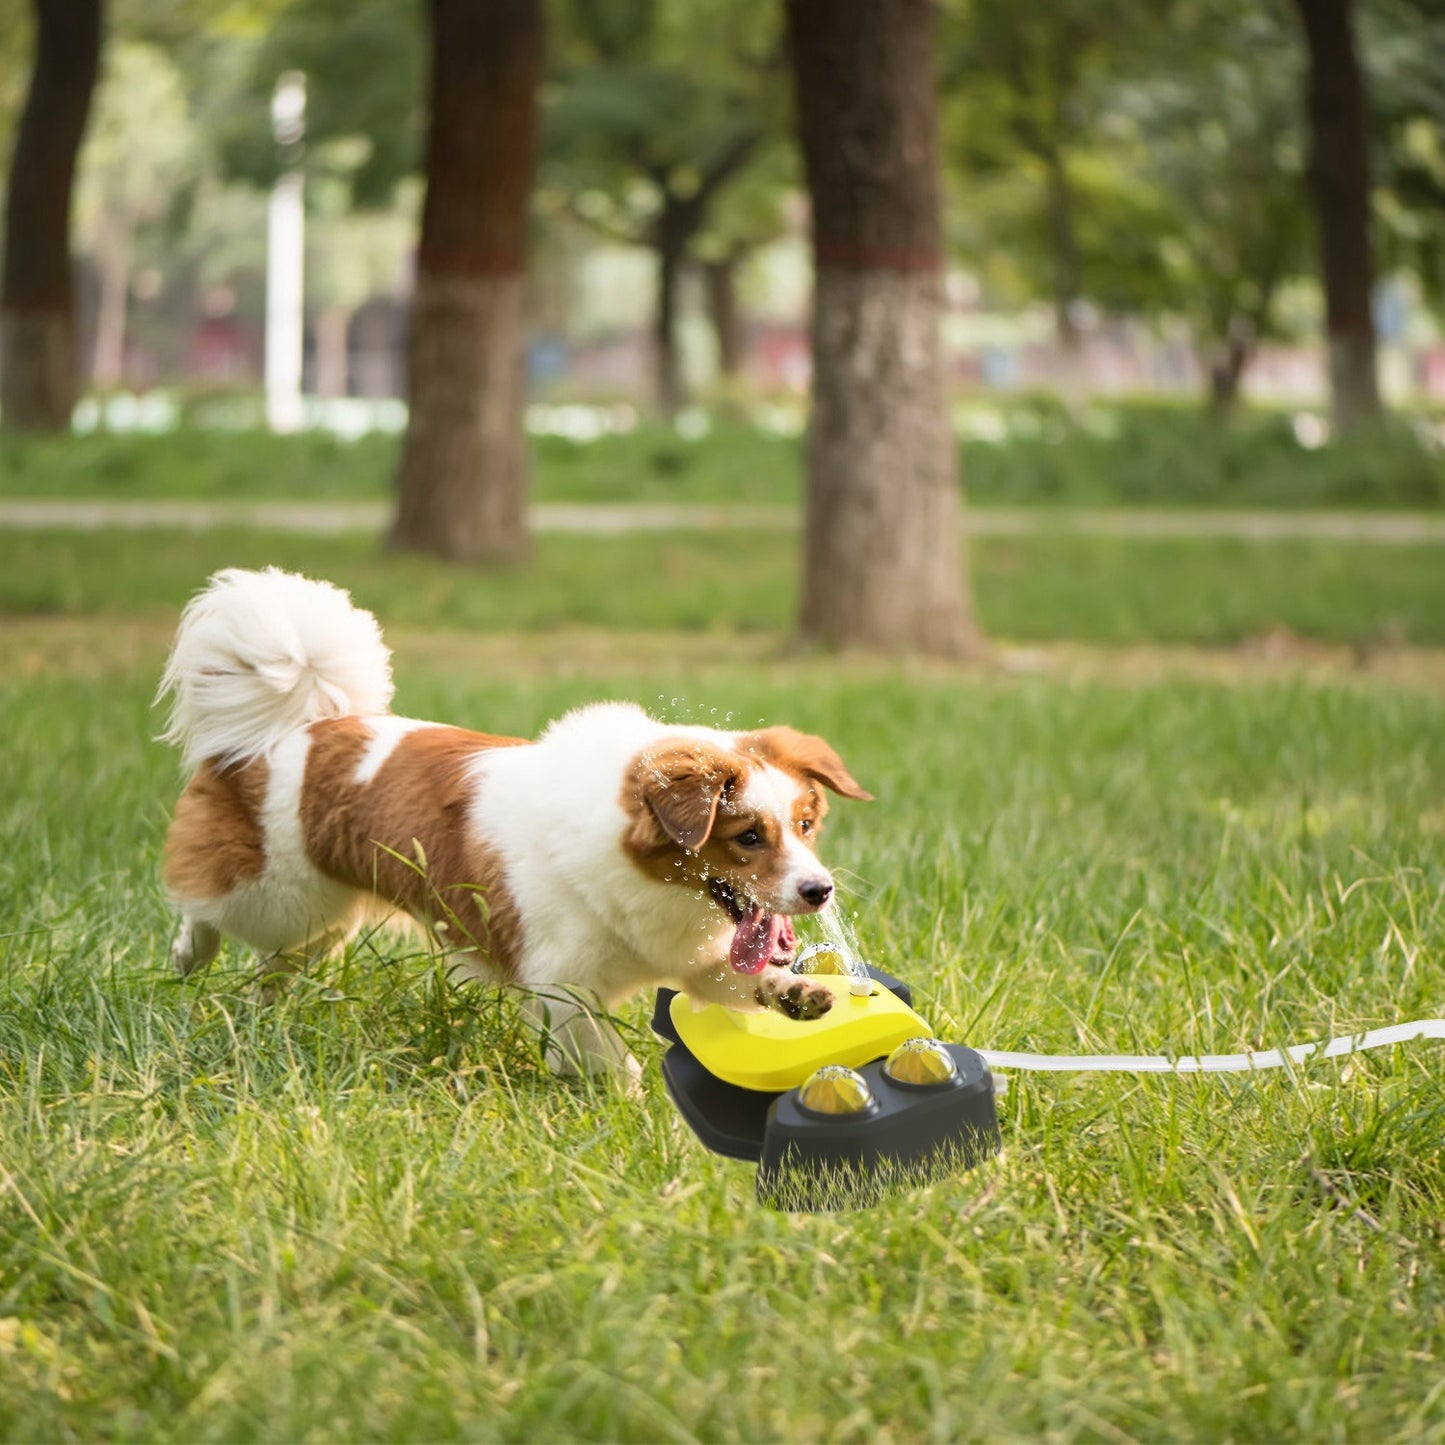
616,519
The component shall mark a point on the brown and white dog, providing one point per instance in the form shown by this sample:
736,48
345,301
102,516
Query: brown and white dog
615,853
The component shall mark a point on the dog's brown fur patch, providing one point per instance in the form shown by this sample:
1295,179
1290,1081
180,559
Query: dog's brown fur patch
683,798
405,836
216,842
685,802
672,791
805,756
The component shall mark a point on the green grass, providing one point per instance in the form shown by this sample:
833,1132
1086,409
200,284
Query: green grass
194,463
1114,454
651,465
1164,454
362,1213
1050,586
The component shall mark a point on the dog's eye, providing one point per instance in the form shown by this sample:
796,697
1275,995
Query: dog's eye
750,839
806,826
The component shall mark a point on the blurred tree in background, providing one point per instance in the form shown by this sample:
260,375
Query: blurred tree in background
1135,158
1404,57
132,174
352,255
1028,83
462,488
658,110
882,557
38,366
1337,109
1208,123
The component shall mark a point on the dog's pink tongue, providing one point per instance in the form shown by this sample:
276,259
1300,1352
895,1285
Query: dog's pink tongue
757,939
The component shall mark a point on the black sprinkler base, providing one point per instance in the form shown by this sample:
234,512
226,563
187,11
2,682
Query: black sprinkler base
807,1161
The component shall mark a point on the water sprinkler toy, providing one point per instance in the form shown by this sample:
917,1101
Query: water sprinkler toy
834,1110
839,1110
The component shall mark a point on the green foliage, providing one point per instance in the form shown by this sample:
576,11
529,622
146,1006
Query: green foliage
1403,49
657,110
1148,453
1216,130
140,143
652,93
362,1213
1149,159
135,187
1026,90
364,65
1036,452
16,45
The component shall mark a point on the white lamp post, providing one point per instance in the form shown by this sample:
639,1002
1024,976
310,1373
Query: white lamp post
285,257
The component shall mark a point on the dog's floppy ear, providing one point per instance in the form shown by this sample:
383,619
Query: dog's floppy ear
806,755
679,785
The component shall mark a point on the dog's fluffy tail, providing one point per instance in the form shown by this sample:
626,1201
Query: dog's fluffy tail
260,654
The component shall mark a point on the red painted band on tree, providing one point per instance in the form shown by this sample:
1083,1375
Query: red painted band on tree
860,256
465,261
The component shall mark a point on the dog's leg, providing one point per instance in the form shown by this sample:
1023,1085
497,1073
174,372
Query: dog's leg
276,969
274,973
578,1040
196,945
470,967
796,995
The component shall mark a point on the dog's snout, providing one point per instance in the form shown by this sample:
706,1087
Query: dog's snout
815,892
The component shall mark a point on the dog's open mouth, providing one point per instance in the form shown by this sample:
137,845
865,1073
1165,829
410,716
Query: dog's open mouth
761,938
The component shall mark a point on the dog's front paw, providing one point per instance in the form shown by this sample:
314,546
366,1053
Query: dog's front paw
798,998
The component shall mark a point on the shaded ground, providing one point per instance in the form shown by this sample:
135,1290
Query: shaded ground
100,647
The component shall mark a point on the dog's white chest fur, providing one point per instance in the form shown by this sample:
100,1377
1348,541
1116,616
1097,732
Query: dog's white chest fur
554,813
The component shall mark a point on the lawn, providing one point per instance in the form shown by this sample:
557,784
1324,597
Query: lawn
362,1213
1054,585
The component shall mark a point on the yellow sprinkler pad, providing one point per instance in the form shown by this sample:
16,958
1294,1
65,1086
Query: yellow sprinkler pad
770,1052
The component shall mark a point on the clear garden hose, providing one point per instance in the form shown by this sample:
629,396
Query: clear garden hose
1216,1063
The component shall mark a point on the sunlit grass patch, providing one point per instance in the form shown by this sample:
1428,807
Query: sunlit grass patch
1052,586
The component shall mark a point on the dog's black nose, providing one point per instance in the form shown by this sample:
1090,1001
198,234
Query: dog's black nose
816,891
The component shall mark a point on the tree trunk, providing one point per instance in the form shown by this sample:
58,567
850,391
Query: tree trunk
112,261
463,480
333,353
1064,248
883,559
38,366
671,388
722,307
1339,173
1226,370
